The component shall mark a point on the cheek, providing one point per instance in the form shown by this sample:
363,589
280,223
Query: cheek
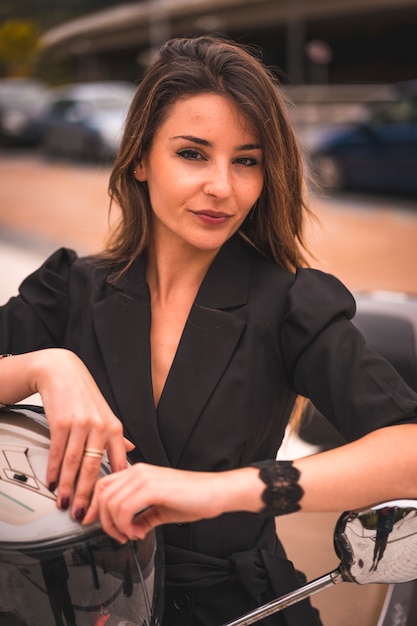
165,195
176,187
253,190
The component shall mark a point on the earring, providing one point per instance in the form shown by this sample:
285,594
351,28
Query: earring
134,171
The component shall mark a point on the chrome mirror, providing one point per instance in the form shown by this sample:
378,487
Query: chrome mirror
375,545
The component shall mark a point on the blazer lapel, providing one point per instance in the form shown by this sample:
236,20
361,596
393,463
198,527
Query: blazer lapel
122,321
208,342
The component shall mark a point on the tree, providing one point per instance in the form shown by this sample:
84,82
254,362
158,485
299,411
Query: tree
18,46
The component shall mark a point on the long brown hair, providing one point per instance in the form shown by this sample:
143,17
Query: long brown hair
209,64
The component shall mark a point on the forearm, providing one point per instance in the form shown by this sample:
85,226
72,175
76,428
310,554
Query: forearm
18,375
22,375
378,467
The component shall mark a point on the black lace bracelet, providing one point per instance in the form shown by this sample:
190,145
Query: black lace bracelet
282,493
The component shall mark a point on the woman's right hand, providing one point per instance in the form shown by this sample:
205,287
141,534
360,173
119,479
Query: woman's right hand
132,502
79,418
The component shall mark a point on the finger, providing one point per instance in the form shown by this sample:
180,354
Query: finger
89,472
92,513
117,448
110,527
116,500
79,470
107,493
58,444
143,523
111,530
83,467
72,465
102,495
129,446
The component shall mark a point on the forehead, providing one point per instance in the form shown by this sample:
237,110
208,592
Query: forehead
207,112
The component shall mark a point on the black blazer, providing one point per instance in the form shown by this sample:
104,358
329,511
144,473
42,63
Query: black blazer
256,337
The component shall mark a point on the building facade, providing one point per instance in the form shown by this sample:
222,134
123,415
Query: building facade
312,41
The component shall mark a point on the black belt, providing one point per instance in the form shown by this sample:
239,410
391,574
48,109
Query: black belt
264,575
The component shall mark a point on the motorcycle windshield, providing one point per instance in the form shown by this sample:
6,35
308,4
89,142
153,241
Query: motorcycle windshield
53,570
91,582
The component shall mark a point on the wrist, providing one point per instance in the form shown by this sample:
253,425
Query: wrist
282,492
241,491
44,365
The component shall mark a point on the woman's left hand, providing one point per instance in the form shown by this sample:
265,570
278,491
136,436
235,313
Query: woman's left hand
132,502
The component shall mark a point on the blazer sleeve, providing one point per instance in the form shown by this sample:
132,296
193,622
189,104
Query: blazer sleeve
37,317
328,361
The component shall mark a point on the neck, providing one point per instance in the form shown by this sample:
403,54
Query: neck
169,273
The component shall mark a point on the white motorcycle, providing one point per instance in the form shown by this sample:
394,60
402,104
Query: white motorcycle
54,571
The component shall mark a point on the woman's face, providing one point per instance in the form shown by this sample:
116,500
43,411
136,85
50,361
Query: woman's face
204,173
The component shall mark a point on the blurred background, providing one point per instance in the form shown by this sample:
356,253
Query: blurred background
348,71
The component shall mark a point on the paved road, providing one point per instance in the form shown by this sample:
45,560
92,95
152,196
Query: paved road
16,262
369,243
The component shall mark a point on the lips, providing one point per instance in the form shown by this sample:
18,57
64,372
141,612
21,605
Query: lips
212,217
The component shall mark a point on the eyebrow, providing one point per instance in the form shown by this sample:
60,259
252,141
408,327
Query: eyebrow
204,142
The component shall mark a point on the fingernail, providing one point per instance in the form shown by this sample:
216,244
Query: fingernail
79,514
52,486
65,502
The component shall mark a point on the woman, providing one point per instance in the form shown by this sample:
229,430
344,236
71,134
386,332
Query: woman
188,341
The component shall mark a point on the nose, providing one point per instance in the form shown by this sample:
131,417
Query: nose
219,183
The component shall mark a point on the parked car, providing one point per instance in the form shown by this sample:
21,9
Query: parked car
22,103
377,154
86,120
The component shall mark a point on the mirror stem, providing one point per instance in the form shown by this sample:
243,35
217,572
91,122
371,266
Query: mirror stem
290,598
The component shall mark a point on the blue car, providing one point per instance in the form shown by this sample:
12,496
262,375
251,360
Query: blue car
379,154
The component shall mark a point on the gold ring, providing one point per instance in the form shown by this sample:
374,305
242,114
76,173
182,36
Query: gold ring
96,454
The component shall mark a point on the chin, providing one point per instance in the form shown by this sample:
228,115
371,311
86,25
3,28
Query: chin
211,240
210,244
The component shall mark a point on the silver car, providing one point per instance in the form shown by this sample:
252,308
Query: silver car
85,120
22,102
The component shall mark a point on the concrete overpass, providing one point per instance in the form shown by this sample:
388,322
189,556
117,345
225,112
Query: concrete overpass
120,38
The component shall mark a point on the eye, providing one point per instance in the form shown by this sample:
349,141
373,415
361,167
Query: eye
247,161
190,153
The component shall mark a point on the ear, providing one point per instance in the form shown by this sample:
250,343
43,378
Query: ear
140,171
